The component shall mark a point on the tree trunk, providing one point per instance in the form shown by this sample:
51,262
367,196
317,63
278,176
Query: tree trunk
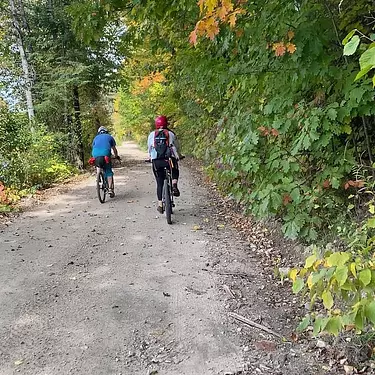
80,157
27,71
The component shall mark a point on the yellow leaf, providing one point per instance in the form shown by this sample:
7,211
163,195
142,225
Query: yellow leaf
317,264
201,5
309,281
232,20
310,261
293,274
353,269
211,5
227,4
290,35
327,299
303,272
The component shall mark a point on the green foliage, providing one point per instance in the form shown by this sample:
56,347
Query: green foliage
352,42
27,158
341,283
280,134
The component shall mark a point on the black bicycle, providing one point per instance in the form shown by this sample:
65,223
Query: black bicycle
102,187
167,192
167,197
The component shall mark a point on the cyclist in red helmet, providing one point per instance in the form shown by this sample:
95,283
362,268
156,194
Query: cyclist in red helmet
162,145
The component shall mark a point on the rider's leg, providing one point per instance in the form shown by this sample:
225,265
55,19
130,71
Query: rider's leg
175,176
111,185
158,169
110,182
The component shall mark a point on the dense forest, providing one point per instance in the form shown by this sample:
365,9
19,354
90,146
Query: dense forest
276,99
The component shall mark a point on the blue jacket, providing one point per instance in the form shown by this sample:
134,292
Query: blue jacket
102,145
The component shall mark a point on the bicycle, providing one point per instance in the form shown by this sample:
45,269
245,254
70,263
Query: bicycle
102,186
167,192
167,196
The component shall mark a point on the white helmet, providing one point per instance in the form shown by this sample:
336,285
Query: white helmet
102,130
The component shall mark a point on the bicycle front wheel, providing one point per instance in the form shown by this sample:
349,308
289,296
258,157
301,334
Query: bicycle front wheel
101,187
167,202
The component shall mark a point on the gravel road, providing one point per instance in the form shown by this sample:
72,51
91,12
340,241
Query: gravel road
90,288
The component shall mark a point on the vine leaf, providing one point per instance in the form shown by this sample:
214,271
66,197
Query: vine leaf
347,38
327,299
367,59
351,46
365,277
370,312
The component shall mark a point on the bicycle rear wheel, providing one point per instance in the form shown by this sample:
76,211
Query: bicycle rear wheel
101,187
167,202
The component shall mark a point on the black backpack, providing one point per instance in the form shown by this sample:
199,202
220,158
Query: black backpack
161,144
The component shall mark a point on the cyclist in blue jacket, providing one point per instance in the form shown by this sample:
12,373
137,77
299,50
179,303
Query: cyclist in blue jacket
102,146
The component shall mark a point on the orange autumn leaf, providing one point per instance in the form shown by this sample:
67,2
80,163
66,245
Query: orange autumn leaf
264,130
201,5
228,4
326,184
357,184
279,49
212,28
193,37
213,14
222,13
291,48
290,35
360,183
275,132
201,28
239,33
286,199
232,19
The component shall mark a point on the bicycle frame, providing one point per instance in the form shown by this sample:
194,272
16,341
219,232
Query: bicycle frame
167,198
101,184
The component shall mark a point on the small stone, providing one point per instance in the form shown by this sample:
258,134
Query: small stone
321,344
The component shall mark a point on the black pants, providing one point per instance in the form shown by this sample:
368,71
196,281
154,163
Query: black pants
159,172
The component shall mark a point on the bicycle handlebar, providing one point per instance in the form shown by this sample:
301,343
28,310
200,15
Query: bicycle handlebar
180,158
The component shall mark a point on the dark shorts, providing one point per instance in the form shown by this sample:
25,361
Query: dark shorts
107,167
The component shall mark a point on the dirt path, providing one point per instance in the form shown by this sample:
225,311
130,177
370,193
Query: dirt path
112,289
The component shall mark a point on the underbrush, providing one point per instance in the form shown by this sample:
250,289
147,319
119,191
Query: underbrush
30,158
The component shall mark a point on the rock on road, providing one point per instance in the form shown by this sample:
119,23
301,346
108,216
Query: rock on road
90,288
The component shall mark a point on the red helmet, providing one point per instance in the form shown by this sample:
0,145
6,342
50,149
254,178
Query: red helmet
161,122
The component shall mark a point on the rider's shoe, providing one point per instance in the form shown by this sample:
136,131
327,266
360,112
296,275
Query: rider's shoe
160,209
175,190
111,193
